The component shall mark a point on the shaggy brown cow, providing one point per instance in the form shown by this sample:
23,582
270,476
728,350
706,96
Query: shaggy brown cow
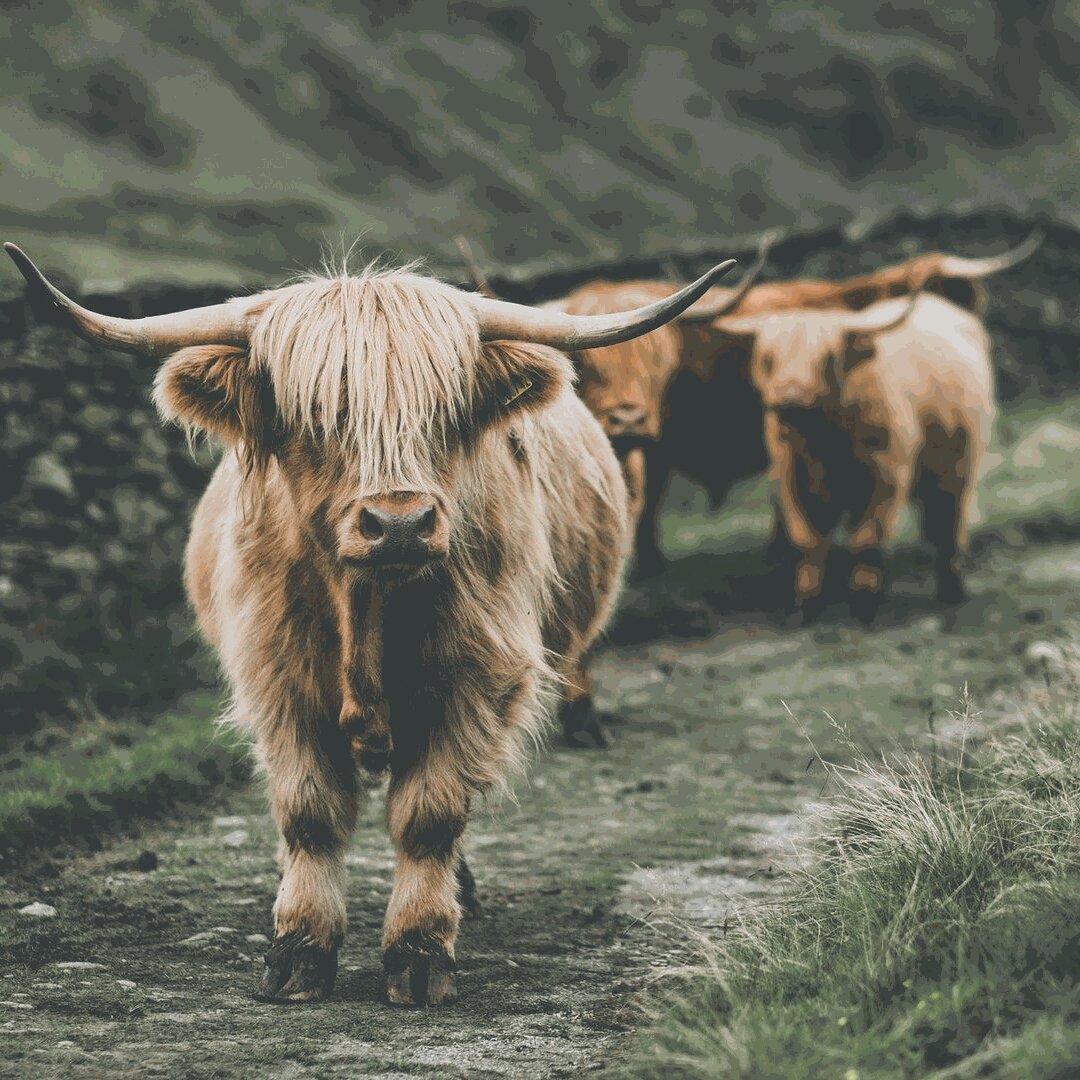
679,400
864,412
420,530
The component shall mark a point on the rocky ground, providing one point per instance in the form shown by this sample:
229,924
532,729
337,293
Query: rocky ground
142,957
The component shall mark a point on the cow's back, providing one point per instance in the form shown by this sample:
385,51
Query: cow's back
933,369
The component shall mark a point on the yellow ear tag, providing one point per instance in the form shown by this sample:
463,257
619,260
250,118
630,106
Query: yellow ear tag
518,391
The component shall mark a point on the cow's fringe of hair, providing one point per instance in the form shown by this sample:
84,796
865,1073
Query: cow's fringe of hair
384,361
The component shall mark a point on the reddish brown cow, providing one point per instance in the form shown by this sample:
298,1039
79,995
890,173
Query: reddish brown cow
864,411
418,532
680,400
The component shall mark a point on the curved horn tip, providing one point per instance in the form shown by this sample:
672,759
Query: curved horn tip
1032,242
19,257
39,284
720,269
769,238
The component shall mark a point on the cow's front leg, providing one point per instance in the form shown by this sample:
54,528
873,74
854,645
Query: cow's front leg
809,547
313,796
873,530
427,809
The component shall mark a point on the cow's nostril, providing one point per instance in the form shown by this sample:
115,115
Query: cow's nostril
370,526
626,415
426,525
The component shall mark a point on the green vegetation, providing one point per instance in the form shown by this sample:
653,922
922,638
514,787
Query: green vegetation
71,784
936,933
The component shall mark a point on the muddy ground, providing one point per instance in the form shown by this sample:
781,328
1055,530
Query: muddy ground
593,883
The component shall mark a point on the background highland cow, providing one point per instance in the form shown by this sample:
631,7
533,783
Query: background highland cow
154,159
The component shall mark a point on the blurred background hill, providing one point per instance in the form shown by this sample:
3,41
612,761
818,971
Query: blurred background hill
232,143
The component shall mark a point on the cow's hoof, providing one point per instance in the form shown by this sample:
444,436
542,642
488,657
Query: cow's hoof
865,606
951,591
581,725
419,978
297,971
808,612
647,567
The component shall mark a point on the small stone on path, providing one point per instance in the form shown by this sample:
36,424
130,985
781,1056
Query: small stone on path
46,911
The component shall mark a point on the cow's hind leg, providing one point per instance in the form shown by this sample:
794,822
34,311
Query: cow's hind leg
940,511
943,491
581,721
313,796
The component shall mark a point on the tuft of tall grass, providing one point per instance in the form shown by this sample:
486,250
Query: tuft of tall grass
936,931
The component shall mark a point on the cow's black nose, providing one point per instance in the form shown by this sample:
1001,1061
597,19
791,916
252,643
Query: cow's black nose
396,531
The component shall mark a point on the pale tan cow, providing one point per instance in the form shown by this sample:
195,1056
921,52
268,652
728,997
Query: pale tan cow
863,412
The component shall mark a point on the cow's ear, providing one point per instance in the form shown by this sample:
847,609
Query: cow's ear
721,348
514,376
213,389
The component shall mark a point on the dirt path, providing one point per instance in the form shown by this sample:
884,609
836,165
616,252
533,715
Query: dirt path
691,811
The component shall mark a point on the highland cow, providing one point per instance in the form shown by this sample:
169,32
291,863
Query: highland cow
417,531
862,412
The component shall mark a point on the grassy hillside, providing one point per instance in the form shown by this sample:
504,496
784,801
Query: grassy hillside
203,143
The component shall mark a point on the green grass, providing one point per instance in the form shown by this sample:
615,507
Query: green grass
110,773
935,933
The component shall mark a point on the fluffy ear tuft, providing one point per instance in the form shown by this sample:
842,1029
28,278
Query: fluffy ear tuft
515,376
213,389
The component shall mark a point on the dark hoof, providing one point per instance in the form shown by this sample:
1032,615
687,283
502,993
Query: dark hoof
415,977
780,553
865,606
648,564
467,889
951,591
581,725
808,612
297,972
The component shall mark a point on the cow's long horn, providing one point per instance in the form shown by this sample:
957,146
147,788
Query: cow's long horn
156,335
500,320
476,273
961,267
710,308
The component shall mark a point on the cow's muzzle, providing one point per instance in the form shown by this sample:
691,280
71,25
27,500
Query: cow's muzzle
628,421
399,531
